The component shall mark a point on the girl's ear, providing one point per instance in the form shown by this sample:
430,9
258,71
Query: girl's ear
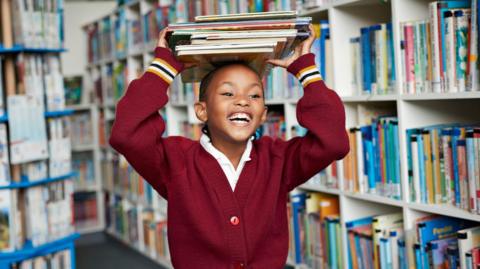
264,115
201,111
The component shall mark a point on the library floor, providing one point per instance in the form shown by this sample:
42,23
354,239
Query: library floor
100,251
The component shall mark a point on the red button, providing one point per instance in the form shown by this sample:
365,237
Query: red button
234,220
238,265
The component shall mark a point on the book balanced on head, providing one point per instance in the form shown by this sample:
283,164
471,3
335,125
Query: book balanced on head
249,37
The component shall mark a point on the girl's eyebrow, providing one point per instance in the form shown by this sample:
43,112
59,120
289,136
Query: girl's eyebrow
255,84
228,83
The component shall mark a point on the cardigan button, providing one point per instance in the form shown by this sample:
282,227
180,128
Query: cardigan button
234,220
238,265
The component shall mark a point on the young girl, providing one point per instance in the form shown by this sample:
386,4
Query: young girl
227,193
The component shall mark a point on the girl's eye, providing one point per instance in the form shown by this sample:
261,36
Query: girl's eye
255,96
227,94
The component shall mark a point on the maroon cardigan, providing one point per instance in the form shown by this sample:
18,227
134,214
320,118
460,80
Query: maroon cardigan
209,226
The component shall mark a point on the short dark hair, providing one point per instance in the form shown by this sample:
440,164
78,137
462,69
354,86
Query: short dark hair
205,82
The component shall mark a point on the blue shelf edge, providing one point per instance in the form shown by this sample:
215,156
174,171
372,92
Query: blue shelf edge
42,250
58,113
47,114
26,184
19,48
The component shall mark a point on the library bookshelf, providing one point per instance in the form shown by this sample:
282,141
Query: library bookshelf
345,18
37,177
86,153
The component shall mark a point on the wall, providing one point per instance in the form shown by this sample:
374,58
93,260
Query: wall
76,15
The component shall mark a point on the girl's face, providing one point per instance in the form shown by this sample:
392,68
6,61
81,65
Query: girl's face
234,106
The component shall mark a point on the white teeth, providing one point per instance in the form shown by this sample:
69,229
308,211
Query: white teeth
240,116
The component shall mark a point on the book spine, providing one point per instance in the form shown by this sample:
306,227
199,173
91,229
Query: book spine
472,60
365,45
409,58
448,166
456,176
470,147
450,45
391,69
462,18
477,166
372,61
418,57
462,174
428,166
416,169
421,165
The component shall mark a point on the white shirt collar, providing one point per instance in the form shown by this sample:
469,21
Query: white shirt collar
221,158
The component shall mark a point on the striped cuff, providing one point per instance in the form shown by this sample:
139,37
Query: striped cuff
308,75
305,70
165,65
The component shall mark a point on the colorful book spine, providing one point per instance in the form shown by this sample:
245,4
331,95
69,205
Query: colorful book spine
447,172
440,55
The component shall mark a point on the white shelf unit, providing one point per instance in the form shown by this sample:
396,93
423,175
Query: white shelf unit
346,17
92,149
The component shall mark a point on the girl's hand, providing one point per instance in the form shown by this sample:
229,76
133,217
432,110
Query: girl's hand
302,49
163,43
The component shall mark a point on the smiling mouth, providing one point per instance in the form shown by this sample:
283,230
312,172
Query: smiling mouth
240,118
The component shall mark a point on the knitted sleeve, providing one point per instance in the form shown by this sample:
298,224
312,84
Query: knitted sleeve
138,127
321,112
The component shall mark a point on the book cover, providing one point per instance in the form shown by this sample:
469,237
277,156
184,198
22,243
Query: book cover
438,252
248,16
467,240
437,227
381,225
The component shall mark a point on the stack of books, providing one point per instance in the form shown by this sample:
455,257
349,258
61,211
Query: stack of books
249,37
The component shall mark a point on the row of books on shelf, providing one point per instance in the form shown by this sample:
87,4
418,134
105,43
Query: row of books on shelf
83,164
378,241
38,80
34,24
120,178
373,60
39,76
314,229
111,81
123,219
104,128
131,30
443,165
58,260
85,208
58,163
82,132
35,216
373,163
440,54
60,149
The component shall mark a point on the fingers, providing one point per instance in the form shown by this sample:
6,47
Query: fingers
190,65
276,62
162,41
307,44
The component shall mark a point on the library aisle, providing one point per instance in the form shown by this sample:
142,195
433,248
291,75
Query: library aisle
98,250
